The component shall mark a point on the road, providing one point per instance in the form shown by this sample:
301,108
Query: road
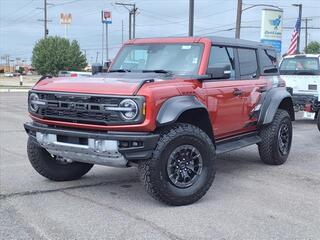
249,200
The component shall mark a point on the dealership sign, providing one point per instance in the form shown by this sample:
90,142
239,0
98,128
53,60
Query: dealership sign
271,28
106,17
65,18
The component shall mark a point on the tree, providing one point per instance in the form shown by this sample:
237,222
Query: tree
313,48
53,54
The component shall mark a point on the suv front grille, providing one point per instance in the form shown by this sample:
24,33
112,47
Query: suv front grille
80,108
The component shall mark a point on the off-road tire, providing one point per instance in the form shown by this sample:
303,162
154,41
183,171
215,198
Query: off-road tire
49,167
269,145
153,172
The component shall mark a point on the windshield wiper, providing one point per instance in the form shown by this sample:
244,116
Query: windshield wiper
158,71
120,70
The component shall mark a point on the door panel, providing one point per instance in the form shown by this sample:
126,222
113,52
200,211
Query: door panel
225,108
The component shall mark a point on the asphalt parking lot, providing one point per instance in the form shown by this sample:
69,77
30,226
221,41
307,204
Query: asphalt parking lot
249,200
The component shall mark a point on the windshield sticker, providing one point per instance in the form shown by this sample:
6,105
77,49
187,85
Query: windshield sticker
186,47
195,60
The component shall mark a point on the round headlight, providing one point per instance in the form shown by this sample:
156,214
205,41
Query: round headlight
33,99
130,109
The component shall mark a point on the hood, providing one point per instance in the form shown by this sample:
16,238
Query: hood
111,83
303,84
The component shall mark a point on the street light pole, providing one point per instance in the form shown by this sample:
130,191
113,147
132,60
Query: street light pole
240,10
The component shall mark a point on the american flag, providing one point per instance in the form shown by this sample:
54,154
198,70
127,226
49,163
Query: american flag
294,37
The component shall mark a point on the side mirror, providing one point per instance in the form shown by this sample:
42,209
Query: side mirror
96,68
270,70
219,71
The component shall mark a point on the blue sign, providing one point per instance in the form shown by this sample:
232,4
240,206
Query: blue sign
107,21
274,43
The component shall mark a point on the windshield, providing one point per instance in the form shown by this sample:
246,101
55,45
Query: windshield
179,59
297,65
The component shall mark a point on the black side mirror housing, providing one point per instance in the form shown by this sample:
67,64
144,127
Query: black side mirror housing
219,71
270,70
96,68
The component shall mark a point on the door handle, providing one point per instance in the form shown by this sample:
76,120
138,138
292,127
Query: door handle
262,89
237,92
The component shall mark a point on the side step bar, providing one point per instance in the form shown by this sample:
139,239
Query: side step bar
238,142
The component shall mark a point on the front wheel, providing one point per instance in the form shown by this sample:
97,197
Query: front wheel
318,121
53,167
276,139
182,167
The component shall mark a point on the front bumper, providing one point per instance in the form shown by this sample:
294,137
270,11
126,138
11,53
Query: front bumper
115,149
301,100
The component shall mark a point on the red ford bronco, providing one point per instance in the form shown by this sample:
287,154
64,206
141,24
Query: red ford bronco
168,106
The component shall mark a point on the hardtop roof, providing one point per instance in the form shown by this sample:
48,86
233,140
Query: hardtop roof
214,39
237,42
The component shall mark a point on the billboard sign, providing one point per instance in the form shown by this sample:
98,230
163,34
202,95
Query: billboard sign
106,17
271,28
65,18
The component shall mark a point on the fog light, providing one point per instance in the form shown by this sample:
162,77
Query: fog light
124,144
135,144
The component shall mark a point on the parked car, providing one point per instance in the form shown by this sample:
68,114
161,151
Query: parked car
8,74
73,74
302,73
168,106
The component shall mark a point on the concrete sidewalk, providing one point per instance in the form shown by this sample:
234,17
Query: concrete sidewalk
12,84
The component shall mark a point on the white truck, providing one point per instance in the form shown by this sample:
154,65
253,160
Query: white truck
302,74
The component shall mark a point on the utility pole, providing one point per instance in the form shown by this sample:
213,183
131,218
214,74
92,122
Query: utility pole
102,45
121,31
191,17
134,10
97,54
132,17
45,19
130,24
306,20
107,48
238,22
300,15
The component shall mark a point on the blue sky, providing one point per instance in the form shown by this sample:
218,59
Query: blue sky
20,28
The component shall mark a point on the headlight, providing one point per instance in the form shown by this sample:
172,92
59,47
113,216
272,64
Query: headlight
35,102
33,99
129,109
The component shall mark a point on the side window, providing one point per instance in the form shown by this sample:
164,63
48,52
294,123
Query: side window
247,63
268,59
222,55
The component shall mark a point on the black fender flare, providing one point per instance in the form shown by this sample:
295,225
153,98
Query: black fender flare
271,101
172,108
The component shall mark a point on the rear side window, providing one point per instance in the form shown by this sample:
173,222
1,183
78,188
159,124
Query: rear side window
268,59
247,63
221,56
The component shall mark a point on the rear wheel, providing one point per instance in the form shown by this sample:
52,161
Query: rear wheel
276,139
53,167
182,167
318,121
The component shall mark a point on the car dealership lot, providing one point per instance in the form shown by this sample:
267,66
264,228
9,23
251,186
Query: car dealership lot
249,200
